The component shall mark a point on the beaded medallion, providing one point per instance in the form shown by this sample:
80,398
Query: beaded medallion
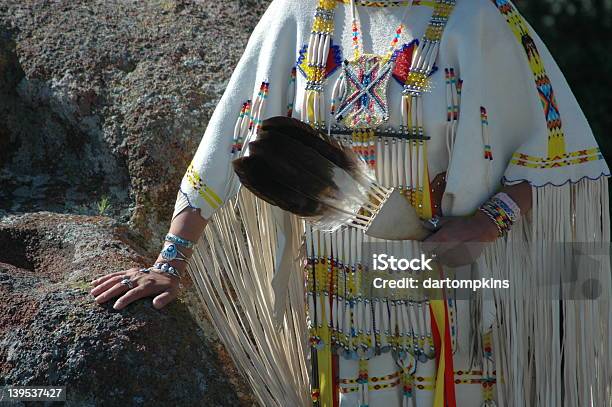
367,80
362,87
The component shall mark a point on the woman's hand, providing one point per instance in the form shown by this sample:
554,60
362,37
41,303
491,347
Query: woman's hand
459,241
162,286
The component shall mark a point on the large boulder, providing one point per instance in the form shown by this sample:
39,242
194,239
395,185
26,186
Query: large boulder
53,333
98,98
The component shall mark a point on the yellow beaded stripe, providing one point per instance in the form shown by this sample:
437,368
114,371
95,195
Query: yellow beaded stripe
573,158
198,184
442,11
390,3
520,29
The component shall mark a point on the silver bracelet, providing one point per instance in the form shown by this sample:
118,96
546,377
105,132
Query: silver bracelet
171,252
166,268
188,244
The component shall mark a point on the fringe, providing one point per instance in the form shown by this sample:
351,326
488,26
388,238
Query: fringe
548,352
553,349
233,267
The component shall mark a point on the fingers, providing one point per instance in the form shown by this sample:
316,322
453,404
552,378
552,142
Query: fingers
112,292
164,298
102,279
109,287
107,284
132,295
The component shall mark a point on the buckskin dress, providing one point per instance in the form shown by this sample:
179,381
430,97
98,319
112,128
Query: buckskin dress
449,101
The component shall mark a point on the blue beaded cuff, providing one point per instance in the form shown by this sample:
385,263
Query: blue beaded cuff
179,241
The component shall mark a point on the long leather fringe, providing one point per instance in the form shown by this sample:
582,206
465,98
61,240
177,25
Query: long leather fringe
553,349
549,352
233,267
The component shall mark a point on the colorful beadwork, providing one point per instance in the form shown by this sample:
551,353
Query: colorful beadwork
314,64
390,3
500,214
488,375
291,92
367,79
249,119
198,184
564,160
453,102
358,323
417,80
242,126
255,116
364,143
520,28
334,62
486,139
403,60
364,82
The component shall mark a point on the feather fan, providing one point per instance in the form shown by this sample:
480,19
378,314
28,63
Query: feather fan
295,167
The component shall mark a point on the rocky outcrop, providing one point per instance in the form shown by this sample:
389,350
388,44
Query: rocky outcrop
102,105
53,333
98,98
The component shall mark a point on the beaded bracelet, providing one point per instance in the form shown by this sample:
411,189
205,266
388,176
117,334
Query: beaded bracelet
509,202
503,211
498,216
188,244
500,231
505,208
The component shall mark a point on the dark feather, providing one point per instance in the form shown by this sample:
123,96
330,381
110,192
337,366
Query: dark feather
342,156
263,180
295,167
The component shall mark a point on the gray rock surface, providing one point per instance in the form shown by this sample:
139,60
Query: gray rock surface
110,98
102,105
53,333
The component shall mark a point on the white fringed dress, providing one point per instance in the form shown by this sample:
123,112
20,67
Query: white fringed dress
467,90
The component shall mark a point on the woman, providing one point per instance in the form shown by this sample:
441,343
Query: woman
460,105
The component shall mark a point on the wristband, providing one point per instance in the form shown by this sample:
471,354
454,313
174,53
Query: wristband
171,252
509,203
166,268
188,244
498,215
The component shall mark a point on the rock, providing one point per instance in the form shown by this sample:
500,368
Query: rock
102,97
53,333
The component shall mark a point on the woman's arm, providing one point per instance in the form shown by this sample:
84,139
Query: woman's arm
188,225
460,240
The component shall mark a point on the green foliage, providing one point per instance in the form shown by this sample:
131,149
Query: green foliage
577,33
104,206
